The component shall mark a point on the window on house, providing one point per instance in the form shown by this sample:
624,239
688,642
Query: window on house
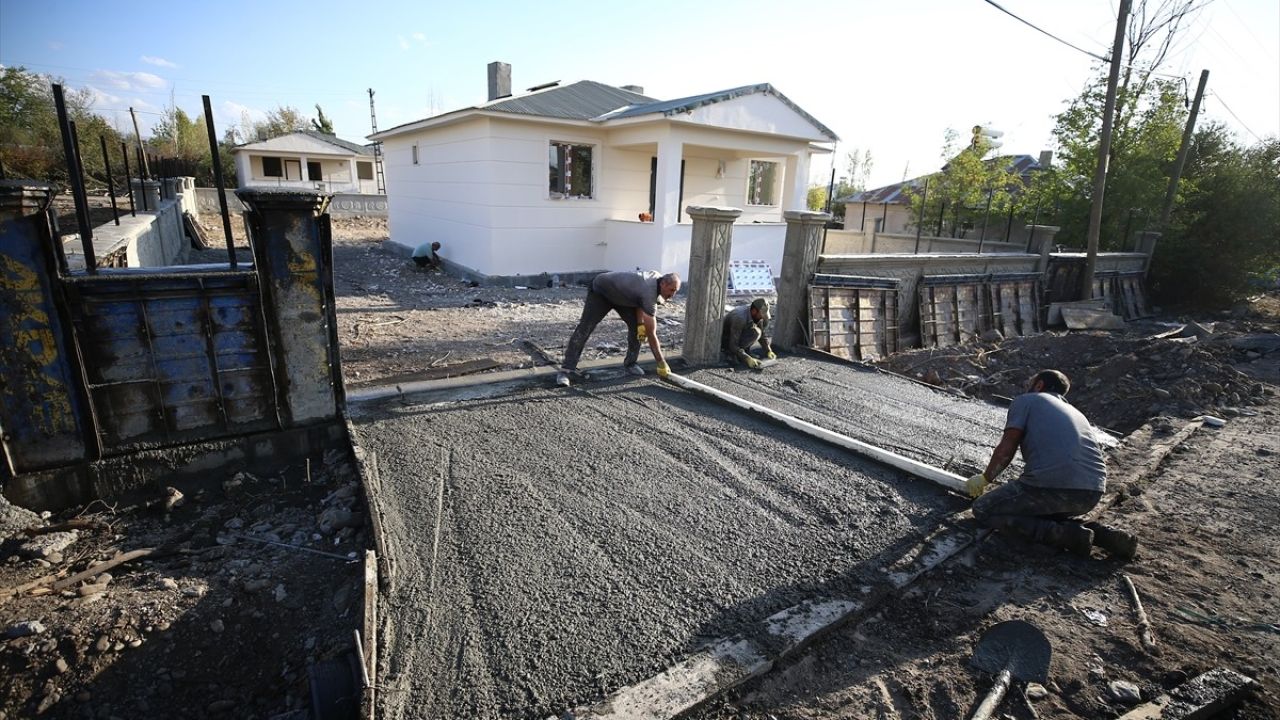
762,183
272,167
879,226
364,170
570,170
314,171
415,153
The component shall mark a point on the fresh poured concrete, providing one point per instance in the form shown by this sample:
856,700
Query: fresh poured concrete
552,546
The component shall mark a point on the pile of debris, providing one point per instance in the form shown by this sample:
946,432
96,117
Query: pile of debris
221,601
1119,379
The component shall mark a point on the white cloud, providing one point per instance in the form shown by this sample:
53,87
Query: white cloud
55,45
420,37
101,98
158,61
135,81
404,44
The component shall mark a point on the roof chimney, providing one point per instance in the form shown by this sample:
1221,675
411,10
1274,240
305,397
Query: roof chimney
1046,158
634,88
499,80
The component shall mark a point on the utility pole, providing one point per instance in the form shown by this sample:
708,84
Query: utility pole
1182,153
146,167
1104,150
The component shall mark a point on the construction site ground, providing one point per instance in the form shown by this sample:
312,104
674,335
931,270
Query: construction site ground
585,469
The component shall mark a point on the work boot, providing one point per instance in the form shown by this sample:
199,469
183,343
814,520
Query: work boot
1076,539
634,370
1118,543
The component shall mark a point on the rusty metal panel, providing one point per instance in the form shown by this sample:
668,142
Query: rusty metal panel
854,318
1014,302
953,309
1131,296
42,415
176,358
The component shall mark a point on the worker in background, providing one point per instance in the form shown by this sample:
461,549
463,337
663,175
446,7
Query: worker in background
425,256
743,327
635,297
1063,478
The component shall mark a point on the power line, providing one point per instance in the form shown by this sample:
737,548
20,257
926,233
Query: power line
1234,115
1093,55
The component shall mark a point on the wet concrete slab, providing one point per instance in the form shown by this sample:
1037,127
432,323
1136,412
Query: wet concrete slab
552,546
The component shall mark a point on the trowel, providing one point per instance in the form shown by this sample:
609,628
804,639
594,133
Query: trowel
1014,649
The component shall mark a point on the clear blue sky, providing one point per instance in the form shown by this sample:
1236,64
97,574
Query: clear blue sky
888,77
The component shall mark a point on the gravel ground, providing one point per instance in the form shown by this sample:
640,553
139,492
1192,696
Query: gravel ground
552,546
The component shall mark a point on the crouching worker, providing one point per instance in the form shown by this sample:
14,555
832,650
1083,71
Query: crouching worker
743,327
1064,476
425,256
635,297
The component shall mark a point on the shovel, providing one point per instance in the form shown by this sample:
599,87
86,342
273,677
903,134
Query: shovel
1011,649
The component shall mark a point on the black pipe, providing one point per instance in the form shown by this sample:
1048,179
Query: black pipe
862,224
77,185
111,184
128,181
942,210
1008,231
142,180
985,219
217,179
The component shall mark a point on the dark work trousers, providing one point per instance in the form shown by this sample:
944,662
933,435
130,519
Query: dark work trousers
1032,512
595,309
741,344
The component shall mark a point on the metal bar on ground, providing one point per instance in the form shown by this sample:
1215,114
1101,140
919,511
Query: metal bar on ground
77,182
948,480
217,180
111,185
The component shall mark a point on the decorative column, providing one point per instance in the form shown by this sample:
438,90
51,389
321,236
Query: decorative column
800,254
795,193
42,410
152,190
1040,241
292,251
1147,246
708,281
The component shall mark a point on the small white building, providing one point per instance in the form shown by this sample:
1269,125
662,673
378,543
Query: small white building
306,159
565,178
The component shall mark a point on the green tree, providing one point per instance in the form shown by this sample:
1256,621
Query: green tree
321,123
280,121
1226,227
956,199
30,140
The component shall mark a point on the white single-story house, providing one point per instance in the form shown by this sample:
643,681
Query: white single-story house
306,159
557,180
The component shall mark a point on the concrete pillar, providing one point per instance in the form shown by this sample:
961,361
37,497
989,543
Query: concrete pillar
291,248
799,262
1043,238
1147,246
795,194
708,281
305,173
152,190
42,413
169,188
666,195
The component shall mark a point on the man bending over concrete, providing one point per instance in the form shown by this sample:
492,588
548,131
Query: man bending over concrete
743,327
635,297
1064,476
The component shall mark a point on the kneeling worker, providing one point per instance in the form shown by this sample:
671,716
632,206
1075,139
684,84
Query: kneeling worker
1064,475
743,327
426,256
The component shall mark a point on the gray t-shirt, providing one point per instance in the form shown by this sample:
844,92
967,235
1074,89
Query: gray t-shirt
1058,447
629,289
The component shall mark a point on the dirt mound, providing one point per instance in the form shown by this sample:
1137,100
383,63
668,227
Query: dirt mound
1120,379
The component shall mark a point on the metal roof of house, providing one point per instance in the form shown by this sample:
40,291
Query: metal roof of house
354,148
1023,165
693,102
582,100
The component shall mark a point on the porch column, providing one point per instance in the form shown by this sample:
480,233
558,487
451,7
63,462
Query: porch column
708,281
302,162
795,194
666,190
291,249
800,253
1147,240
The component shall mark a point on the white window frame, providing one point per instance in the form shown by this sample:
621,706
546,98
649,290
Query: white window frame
774,193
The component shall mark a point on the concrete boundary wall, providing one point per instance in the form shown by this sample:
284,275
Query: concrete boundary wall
153,238
342,204
855,242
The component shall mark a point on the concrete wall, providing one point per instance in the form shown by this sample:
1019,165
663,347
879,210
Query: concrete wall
851,242
151,239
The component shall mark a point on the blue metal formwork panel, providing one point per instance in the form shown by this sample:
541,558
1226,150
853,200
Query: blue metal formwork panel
178,357
41,412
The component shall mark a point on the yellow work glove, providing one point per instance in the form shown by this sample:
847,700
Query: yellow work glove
641,333
976,484
663,370
751,362
772,355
